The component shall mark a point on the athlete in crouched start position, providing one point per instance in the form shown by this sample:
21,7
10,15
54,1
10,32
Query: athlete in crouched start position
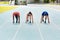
29,17
44,17
17,16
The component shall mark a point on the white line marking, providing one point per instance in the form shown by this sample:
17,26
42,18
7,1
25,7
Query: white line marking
40,32
3,25
55,25
16,33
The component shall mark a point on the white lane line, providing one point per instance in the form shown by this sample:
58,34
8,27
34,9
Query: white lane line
41,34
54,24
55,9
6,21
13,38
42,38
3,25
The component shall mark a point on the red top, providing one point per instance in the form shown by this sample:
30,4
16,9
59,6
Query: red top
16,14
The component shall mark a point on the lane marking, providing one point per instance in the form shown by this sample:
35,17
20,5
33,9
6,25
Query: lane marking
16,33
41,35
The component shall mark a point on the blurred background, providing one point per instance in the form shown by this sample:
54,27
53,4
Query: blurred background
24,2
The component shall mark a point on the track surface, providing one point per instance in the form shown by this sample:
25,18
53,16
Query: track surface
35,31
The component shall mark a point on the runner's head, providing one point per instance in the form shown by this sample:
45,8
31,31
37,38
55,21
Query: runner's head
29,14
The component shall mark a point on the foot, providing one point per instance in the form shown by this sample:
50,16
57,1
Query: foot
13,22
48,22
45,22
30,22
16,22
26,21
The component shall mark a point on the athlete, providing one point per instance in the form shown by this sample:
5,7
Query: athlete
44,17
29,17
17,16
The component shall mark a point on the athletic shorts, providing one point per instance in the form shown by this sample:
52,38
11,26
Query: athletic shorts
44,14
